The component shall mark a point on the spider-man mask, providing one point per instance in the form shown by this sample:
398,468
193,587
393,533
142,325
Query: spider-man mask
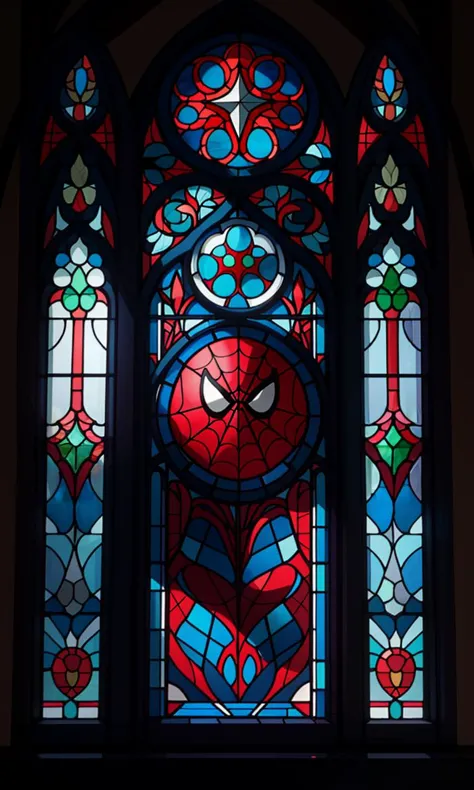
238,408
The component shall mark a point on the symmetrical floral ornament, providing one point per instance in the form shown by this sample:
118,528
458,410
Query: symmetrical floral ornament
391,194
239,105
79,202
78,194
80,97
238,267
79,276
389,95
391,274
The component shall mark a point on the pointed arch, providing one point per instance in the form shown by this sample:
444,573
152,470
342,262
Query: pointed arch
71,278
401,254
190,197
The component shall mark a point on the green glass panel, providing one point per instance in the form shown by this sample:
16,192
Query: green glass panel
75,435
386,452
79,282
393,436
88,299
391,280
75,448
400,299
400,454
383,299
70,300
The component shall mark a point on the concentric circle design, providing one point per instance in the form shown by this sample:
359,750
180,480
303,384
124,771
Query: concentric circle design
237,413
239,105
239,267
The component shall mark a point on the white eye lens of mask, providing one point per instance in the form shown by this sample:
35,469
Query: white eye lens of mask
263,402
213,397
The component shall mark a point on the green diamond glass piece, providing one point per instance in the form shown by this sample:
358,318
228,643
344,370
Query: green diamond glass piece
75,436
75,448
393,436
391,280
394,449
79,282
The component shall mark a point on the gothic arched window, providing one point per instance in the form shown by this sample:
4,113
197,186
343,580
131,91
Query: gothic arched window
237,193
392,246
78,228
207,355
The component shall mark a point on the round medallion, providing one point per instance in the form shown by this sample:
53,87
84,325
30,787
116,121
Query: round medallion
238,267
239,104
237,413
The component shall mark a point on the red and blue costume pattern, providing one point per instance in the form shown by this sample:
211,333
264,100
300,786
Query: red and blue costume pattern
238,544
238,575
239,603
246,437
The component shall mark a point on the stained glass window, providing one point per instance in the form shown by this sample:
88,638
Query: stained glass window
231,266
77,381
239,543
393,243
